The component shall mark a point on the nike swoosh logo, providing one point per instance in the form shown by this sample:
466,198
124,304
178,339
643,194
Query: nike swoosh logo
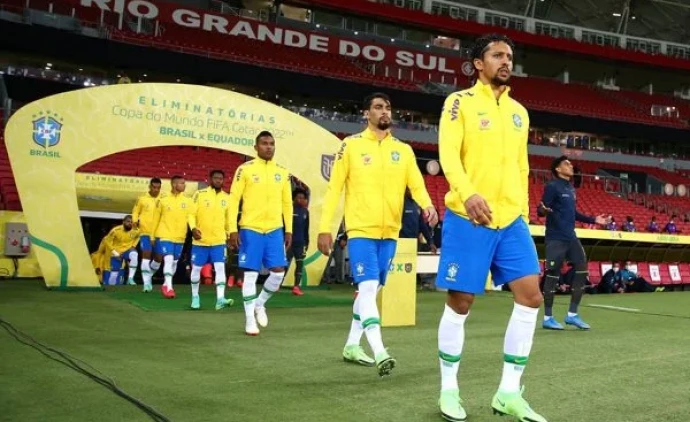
500,402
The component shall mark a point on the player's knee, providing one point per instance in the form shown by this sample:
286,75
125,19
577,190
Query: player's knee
133,257
460,302
220,272
368,288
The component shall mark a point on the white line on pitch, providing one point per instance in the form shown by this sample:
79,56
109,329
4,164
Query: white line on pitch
617,308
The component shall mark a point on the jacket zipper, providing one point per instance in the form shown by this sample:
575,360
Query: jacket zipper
383,184
503,140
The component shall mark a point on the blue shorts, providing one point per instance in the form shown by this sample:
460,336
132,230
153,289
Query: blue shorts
165,247
469,252
370,259
257,249
145,243
202,255
116,262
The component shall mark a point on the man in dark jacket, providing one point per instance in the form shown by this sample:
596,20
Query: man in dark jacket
300,237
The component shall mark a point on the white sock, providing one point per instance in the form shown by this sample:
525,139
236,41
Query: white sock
547,317
356,329
369,313
271,285
155,266
195,278
220,280
572,314
146,274
112,280
249,293
133,262
451,338
174,267
517,346
168,271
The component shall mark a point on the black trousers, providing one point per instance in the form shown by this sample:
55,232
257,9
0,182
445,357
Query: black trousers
558,251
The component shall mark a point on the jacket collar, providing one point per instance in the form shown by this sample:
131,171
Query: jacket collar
485,89
369,134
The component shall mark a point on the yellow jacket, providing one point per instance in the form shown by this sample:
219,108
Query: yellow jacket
212,216
120,240
266,194
144,212
171,216
374,175
98,258
483,150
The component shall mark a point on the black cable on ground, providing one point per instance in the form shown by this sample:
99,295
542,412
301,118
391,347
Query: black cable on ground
80,367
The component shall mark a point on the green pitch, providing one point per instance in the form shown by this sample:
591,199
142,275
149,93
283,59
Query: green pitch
199,366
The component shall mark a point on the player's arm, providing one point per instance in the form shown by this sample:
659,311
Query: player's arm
415,182
287,205
191,217
588,219
339,173
548,199
157,213
236,193
523,164
450,139
136,212
306,231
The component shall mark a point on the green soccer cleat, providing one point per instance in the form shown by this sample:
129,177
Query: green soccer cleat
514,405
196,303
450,405
130,282
355,354
384,363
223,303
148,288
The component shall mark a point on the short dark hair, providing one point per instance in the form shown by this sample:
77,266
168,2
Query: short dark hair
481,44
127,216
262,134
212,172
176,177
155,180
557,162
299,191
371,97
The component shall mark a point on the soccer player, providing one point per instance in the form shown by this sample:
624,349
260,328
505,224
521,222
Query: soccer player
122,241
373,168
170,222
264,188
300,237
210,229
142,215
483,152
558,204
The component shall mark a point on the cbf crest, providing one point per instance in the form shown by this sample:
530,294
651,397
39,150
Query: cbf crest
327,165
46,129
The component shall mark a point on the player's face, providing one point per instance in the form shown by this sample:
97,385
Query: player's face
217,180
154,189
379,114
497,64
566,169
178,185
265,147
127,223
301,200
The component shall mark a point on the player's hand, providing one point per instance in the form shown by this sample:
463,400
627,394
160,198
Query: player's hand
478,210
544,208
234,240
115,254
135,225
431,216
288,240
324,243
196,234
434,249
601,220
306,248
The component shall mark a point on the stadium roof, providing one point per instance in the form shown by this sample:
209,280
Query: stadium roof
667,20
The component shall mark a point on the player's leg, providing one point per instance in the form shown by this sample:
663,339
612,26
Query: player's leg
298,251
516,262
115,267
146,253
556,251
273,259
157,260
463,267
576,255
167,249
353,351
249,258
217,257
132,257
177,253
385,253
200,256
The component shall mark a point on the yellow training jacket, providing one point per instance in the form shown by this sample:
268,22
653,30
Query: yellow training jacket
212,216
171,217
144,211
266,194
120,240
483,150
374,174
